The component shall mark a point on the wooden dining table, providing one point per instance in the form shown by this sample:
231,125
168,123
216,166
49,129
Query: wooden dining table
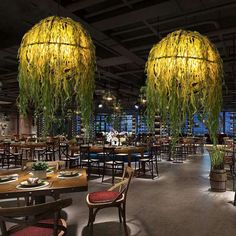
129,150
55,187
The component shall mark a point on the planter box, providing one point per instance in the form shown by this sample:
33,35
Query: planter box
41,174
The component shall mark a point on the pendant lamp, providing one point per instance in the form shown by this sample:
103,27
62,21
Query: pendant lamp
56,66
184,76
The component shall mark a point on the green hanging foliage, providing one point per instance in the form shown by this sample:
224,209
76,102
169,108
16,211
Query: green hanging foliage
184,76
56,64
217,158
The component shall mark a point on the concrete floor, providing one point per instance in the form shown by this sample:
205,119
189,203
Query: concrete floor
178,203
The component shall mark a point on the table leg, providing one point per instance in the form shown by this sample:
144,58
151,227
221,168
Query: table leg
129,158
31,158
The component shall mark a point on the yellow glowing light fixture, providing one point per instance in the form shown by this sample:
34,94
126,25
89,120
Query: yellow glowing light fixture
117,107
56,63
108,96
184,76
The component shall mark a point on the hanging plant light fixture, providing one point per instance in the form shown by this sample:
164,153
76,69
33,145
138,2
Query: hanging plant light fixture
56,64
184,76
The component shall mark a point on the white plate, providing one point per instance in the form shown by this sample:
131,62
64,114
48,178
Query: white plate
44,184
68,173
69,177
8,181
8,178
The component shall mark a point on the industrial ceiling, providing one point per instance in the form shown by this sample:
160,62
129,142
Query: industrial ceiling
123,32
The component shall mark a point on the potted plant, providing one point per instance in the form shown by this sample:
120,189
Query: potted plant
218,176
39,169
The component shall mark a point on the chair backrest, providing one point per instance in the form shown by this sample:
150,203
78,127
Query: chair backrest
50,146
123,185
6,148
155,150
109,153
84,152
31,215
63,149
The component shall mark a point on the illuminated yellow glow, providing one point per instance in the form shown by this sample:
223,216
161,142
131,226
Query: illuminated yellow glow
108,97
56,62
184,75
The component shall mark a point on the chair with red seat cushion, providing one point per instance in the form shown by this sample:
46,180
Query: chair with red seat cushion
104,196
40,231
110,198
34,220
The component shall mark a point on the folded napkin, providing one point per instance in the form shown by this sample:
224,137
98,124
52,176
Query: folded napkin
33,180
69,173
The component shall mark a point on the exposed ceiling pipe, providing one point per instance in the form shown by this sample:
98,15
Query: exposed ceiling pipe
158,9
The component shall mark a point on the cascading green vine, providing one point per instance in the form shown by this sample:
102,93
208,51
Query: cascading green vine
56,65
184,76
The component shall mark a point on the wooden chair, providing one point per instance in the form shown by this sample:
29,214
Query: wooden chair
49,152
111,198
10,157
110,162
229,162
86,160
35,220
177,152
148,160
65,155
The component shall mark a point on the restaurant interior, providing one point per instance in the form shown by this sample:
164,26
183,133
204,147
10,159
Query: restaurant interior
117,117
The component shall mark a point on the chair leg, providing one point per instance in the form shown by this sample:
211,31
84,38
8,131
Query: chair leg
124,219
91,230
113,173
103,174
151,163
88,169
90,221
157,171
139,167
120,213
99,170
90,216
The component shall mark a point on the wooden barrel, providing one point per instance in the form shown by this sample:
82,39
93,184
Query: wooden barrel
218,180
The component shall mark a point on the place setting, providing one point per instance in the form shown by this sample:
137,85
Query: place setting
49,170
32,183
5,179
69,174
